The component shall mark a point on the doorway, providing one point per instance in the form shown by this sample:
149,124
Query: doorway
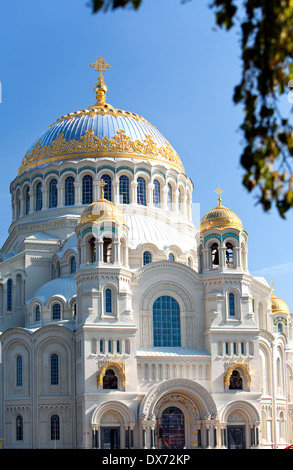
236,437
110,438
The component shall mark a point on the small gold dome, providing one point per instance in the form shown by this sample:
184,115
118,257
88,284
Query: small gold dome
220,217
279,306
102,211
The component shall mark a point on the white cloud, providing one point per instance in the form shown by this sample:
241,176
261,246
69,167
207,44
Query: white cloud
279,269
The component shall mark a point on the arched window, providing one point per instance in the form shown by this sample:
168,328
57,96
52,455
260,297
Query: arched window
39,197
72,265
108,187
92,250
9,294
108,301
17,204
124,189
69,191
169,196
56,311
157,194
171,257
55,428
37,313
102,346
58,269
19,371
141,191
235,381
231,304
147,258
27,200
53,194
118,346
280,327
107,250
54,369
166,322
180,201
87,189
19,428
215,254
229,255
110,380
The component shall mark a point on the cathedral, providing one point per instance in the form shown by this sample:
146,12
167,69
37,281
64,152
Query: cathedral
123,325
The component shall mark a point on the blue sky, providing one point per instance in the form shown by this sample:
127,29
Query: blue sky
168,64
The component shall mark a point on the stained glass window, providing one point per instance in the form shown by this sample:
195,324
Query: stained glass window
56,312
231,304
87,189
124,189
141,191
53,194
54,369
55,428
157,194
147,257
108,300
39,198
69,191
19,371
166,322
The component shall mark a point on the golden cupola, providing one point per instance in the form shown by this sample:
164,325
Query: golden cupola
102,211
100,131
278,306
220,217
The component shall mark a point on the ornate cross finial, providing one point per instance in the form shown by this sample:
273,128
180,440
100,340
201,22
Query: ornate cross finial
100,65
219,191
102,183
100,88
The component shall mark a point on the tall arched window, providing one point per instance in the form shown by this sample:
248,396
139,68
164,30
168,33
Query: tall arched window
27,200
87,189
39,197
169,197
108,301
229,255
141,191
157,194
92,250
37,313
9,294
19,428
72,264
166,322
180,201
54,369
231,304
53,194
56,312
280,327
108,187
19,371
69,191
107,250
171,257
124,189
55,428
215,254
147,258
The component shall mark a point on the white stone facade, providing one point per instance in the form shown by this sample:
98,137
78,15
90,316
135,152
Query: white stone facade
63,339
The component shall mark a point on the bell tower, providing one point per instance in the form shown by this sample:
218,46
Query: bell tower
105,330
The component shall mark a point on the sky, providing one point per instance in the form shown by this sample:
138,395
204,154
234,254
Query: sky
170,65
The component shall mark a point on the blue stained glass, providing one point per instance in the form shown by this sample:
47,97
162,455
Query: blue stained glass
53,194
141,191
157,194
108,300
69,191
166,322
147,258
54,369
39,198
232,305
124,189
19,371
87,189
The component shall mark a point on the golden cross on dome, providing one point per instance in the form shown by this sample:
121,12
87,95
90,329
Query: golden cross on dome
102,183
100,65
219,191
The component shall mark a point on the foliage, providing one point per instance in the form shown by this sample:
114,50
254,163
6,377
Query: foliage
267,67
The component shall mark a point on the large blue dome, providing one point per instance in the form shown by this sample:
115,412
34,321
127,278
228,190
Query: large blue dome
97,132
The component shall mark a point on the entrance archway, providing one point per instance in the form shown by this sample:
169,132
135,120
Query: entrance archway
240,425
176,413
